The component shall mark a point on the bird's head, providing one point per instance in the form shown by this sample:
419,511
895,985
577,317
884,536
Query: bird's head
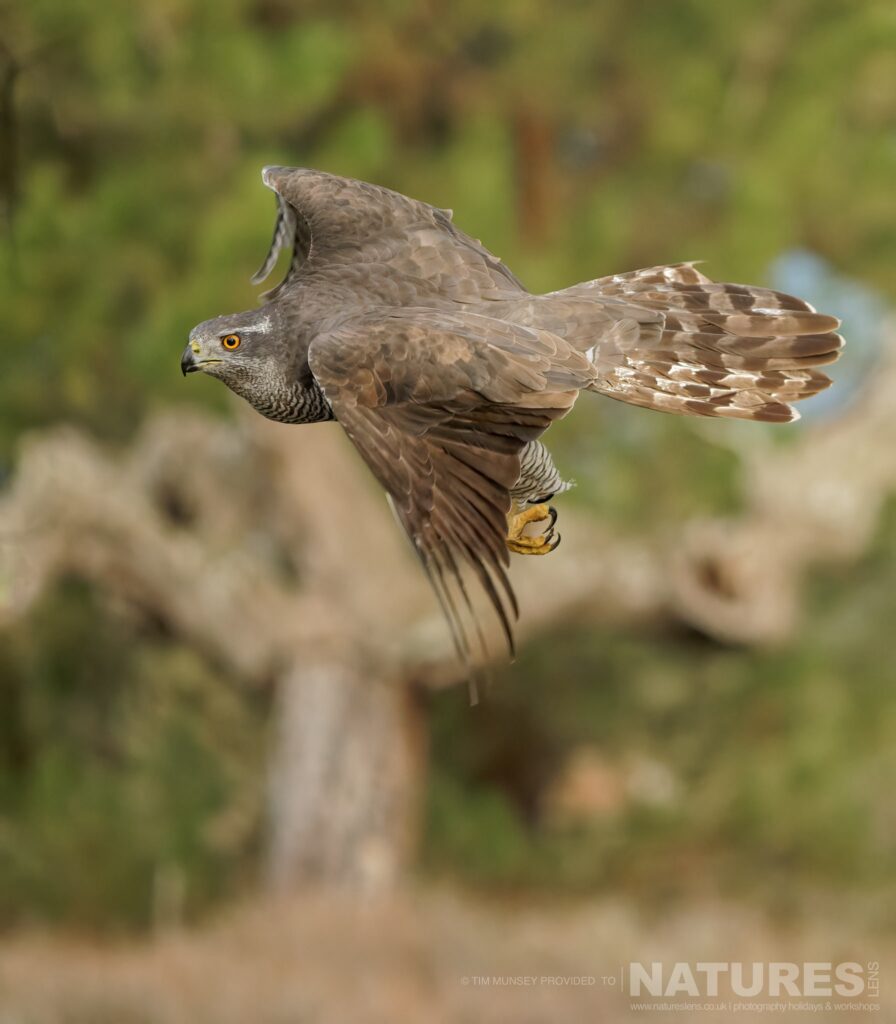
244,350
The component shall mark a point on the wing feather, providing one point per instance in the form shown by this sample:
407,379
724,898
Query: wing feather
290,231
440,406
392,248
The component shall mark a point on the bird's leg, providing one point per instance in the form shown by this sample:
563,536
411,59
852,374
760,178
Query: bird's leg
518,520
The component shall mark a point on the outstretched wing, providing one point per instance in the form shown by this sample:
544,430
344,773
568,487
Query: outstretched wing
440,405
381,244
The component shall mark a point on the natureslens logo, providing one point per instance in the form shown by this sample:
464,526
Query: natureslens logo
774,980
846,980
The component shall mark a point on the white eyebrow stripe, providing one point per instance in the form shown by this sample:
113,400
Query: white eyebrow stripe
263,327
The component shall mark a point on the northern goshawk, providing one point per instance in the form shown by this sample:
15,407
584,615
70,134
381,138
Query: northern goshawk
444,370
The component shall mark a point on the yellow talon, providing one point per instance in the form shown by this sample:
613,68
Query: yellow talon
544,543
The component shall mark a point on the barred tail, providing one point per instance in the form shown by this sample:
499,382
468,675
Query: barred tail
685,344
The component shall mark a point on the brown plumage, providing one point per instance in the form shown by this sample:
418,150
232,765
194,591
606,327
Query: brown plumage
442,368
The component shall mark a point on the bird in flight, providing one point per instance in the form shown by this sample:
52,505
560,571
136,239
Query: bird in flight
445,371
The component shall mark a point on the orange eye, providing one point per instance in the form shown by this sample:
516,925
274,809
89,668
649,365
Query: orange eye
231,341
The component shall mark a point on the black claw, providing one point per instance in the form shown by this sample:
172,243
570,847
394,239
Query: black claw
552,512
556,543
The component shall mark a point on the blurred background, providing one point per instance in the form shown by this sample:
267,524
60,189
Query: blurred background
240,775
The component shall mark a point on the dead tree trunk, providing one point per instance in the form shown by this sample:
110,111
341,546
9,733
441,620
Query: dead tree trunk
345,782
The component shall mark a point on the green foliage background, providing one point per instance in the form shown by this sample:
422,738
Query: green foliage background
574,140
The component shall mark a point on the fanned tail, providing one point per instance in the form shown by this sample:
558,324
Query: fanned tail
685,344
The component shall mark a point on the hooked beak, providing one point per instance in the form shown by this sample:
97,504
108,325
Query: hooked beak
188,360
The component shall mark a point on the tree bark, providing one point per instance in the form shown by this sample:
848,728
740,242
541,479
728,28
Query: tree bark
345,783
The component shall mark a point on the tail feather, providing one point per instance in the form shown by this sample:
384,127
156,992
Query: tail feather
685,344
724,298
791,348
760,323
